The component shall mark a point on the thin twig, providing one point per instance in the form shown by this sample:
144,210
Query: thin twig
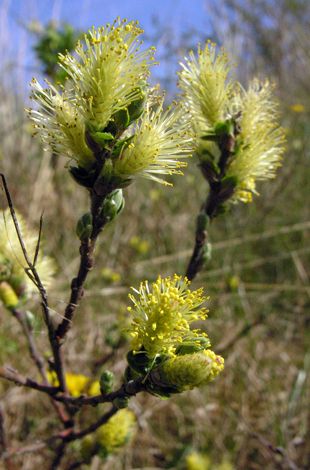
66,436
216,197
59,454
14,376
33,275
87,250
63,435
39,240
18,314
3,437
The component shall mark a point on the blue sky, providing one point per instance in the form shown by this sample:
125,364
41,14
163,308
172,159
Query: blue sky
16,42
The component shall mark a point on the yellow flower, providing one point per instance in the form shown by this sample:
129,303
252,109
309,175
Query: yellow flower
298,108
76,383
12,261
112,66
105,96
160,139
198,461
94,389
60,124
261,139
225,465
205,84
118,431
102,82
248,118
191,370
162,316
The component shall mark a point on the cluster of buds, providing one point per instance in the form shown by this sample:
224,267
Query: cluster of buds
105,118
169,355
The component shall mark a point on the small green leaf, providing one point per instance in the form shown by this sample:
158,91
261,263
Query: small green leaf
83,177
120,144
139,362
118,123
84,226
160,391
229,182
101,138
136,107
222,128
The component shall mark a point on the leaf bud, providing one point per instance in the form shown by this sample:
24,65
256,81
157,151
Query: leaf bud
121,402
109,209
84,226
106,382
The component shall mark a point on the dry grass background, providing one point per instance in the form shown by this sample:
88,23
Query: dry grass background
256,413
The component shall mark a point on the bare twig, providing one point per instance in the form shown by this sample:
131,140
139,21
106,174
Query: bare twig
63,435
217,196
18,379
33,275
66,436
3,438
19,315
59,454
39,241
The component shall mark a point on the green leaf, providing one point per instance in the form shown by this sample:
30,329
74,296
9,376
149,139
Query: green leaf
211,137
118,122
84,226
101,138
160,391
139,362
136,107
120,145
209,169
229,182
83,177
221,209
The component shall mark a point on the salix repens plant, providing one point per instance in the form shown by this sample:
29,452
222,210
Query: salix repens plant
238,140
113,128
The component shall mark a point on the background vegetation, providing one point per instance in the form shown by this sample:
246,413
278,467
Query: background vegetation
256,414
